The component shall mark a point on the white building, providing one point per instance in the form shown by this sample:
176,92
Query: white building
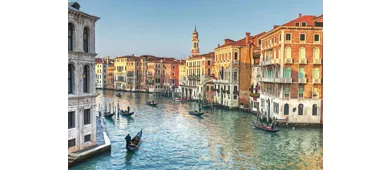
81,79
100,70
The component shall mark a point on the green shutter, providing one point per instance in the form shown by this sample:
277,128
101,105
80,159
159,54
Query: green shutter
287,73
300,90
286,90
301,73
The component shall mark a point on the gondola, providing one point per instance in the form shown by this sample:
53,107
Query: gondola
265,128
108,115
126,113
151,104
133,144
196,113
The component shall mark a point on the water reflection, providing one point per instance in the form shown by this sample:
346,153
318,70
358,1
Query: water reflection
220,139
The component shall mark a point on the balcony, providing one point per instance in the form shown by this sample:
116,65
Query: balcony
317,61
267,79
316,81
236,92
267,62
302,61
302,80
288,61
283,80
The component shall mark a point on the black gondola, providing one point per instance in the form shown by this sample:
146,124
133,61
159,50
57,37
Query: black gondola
108,115
126,113
151,104
196,113
133,144
265,128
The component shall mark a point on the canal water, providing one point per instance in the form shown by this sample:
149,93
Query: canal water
221,139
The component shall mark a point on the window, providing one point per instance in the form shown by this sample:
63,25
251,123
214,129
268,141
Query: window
315,93
287,52
316,52
71,143
259,42
301,91
235,88
276,108
235,76
207,88
70,78
316,37
85,79
235,96
303,24
86,39
87,138
287,73
286,109
316,73
286,92
288,37
301,73
300,109
71,120
70,36
87,116
314,110
208,62
280,37
235,56
302,52
297,24
208,71
302,37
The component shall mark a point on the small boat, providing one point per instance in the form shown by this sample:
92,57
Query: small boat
133,144
196,113
108,115
265,128
151,104
177,99
126,113
118,95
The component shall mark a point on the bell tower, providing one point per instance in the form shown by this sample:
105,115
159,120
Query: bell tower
195,43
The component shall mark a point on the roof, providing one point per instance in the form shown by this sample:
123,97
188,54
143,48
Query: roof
99,60
74,6
210,54
309,19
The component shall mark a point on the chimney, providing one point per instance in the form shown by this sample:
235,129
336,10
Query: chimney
247,38
300,15
219,45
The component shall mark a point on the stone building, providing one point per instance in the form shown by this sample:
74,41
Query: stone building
291,70
100,71
81,79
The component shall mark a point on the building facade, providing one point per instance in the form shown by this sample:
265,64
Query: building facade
100,71
120,73
110,73
81,79
291,70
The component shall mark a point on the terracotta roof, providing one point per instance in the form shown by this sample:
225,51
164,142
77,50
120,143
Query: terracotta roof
99,60
210,54
309,19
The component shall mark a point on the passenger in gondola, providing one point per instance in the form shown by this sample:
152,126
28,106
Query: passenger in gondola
152,101
128,108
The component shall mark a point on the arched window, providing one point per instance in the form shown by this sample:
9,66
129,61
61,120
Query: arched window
300,109
70,78
70,36
302,52
301,73
287,52
287,73
86,39
85,79
208,71
194,44
316,73
314,109
316,53
286,109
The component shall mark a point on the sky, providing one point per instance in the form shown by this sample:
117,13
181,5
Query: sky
163,28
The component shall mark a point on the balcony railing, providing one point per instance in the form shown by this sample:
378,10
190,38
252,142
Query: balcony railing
302,61
317,61
288,61
267,62
316,81
267,79
302,80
